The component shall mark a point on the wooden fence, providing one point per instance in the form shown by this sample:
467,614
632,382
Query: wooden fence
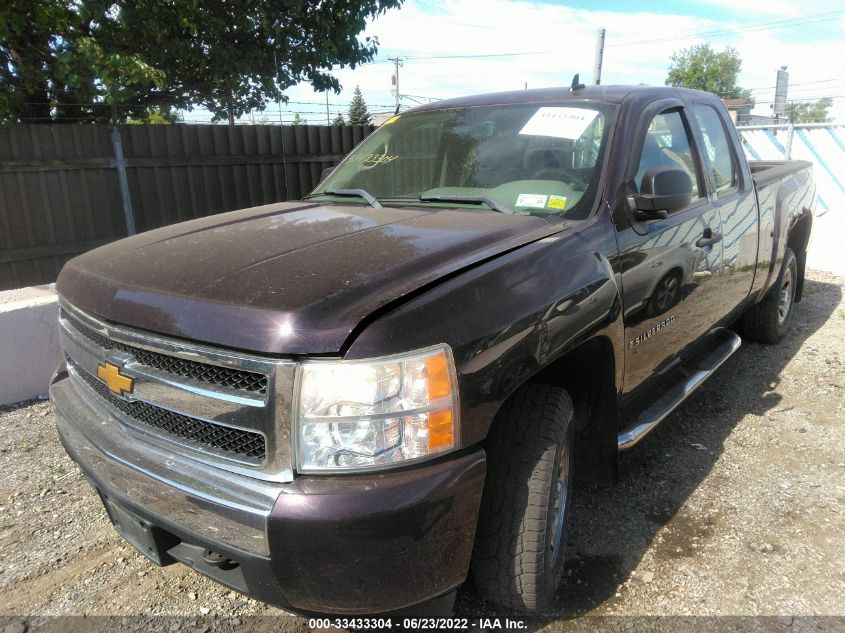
65,189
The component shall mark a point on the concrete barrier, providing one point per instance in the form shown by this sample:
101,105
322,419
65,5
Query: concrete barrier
29,342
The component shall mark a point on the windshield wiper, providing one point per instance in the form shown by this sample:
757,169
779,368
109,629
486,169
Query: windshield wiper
469,200
350,193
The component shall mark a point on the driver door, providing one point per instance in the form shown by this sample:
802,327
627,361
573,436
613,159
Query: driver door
668,265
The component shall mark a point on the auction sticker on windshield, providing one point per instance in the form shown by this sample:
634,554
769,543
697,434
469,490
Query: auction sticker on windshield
568,123
531,201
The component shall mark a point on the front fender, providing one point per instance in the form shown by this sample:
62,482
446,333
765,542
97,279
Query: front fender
506,320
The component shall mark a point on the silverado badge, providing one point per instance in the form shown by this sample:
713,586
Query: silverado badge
642,338
115,381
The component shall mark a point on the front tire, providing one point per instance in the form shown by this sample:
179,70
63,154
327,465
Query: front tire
768,320
518,556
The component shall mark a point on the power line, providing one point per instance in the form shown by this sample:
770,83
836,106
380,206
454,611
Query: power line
808,92
420,99
154,105
763,26
790,100
800,83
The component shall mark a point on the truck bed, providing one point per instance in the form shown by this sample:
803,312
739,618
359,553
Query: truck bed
765,171
786,196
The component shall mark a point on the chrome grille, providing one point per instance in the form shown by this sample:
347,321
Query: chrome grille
243,380
228,409
227,439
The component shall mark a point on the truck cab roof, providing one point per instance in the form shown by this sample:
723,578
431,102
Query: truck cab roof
607,94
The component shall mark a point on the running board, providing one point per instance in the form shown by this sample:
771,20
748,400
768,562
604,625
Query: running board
657,412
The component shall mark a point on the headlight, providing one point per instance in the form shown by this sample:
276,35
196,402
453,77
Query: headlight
376,413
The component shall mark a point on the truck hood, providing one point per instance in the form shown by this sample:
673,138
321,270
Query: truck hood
287,278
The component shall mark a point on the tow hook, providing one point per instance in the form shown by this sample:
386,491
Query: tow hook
217,559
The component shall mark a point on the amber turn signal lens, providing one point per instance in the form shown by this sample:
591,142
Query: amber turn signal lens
439,385
441,431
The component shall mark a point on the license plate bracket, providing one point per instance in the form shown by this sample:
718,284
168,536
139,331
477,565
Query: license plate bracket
148,539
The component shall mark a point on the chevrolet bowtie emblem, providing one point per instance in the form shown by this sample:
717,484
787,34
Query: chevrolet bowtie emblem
115,381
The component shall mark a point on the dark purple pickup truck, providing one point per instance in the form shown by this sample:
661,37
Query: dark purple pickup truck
350,403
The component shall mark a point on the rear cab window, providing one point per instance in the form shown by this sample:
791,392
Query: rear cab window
717,150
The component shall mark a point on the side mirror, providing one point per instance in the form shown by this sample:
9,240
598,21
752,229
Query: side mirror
662,191
326,173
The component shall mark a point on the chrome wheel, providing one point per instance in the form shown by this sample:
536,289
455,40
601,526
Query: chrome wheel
560,503
787,294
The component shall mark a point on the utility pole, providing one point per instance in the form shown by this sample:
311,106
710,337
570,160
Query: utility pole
328,120
599,56
397,62
278,99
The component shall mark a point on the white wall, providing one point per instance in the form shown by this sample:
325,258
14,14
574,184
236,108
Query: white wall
29,342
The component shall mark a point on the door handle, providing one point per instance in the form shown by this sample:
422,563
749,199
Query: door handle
709,238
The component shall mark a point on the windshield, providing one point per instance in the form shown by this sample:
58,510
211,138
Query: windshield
525,159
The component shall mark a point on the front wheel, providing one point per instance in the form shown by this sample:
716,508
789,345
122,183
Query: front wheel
518,556
767,321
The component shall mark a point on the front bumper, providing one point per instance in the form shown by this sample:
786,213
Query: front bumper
348,545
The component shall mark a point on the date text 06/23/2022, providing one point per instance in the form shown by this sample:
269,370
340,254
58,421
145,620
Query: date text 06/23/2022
420,624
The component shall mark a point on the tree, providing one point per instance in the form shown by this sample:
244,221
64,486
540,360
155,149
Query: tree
77,60
339,120
358,113
810,111
298,120
702,68
155,117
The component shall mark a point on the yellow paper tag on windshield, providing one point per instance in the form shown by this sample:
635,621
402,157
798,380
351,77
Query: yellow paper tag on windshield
556,202
391,119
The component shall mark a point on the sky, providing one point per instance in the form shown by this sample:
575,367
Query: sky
461,47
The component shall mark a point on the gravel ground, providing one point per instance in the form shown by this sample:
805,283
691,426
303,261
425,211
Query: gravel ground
735,506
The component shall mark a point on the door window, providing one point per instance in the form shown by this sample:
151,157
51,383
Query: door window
667,144
717,150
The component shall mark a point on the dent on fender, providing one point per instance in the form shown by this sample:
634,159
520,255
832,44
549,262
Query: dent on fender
505,320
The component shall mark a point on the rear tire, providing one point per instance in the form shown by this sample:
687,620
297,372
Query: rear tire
518,556
768,320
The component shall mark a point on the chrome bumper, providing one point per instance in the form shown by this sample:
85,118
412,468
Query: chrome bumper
219,505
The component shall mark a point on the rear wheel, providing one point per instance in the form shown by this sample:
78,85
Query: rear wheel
767,321
519,547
